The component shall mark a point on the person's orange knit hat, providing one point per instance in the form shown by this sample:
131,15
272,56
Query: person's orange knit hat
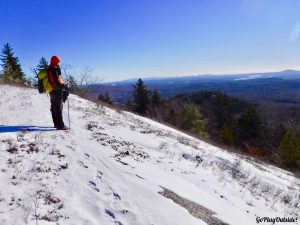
55,60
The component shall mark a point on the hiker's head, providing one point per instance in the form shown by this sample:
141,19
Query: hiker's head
55,60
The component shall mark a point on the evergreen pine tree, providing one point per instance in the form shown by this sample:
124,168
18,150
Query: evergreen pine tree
227,135
105,98
172,115
155,98
72,84
192,120
43,64
289,149
140,97
250,127
11,66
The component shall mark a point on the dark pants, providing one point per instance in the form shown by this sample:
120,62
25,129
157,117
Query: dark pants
56,99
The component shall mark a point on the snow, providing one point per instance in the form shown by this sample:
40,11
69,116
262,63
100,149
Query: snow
252,77
110,167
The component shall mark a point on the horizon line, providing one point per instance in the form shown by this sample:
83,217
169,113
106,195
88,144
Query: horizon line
204,74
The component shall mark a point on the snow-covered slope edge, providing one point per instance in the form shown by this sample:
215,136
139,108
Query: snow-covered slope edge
111,166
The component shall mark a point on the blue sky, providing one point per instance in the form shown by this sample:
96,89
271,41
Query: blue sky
123,39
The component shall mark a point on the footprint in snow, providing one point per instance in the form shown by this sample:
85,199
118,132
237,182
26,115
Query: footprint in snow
93,185
86,156
82,164
71,147
112,215
116,196
99,174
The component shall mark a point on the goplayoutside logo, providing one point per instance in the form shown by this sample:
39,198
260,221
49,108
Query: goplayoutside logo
274,220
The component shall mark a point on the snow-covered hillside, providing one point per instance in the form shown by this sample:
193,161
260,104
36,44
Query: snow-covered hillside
118,168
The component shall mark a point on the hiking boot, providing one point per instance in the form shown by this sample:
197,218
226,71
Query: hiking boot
62,128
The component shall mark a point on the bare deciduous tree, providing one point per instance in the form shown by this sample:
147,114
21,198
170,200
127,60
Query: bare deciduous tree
79,83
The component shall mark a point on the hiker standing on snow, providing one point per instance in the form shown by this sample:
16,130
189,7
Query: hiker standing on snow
59,93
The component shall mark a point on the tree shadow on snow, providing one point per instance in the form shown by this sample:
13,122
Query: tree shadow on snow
9,129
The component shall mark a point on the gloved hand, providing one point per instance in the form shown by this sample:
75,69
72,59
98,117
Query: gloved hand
62,86
65,93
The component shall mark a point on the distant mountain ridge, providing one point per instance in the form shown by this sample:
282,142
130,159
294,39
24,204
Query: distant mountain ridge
271,86
285,74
